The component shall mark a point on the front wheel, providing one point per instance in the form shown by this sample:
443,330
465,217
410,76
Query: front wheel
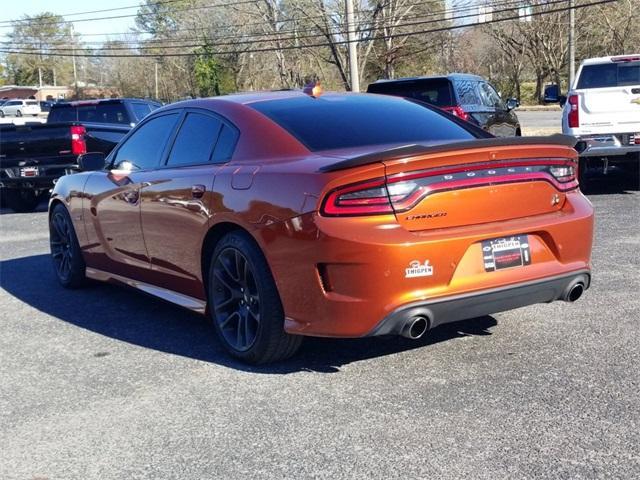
18,113
244,302
65,249
1,114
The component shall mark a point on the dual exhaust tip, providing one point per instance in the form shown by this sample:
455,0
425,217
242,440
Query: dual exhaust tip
417,325
573,292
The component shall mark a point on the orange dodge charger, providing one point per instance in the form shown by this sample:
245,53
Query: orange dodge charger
284,214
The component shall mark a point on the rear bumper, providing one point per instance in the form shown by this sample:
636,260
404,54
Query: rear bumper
45,179
608,145
339,277
460,307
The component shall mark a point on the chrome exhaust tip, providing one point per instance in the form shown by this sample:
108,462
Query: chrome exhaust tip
574,292
415,327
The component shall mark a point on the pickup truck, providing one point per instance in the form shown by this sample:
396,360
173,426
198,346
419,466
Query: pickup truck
602,110
33,156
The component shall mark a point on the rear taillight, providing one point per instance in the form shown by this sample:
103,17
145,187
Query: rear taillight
366,198
457,111
404,191
78,144
574,112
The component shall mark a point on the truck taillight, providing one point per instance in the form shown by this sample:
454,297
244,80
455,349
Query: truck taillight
574,112
78,144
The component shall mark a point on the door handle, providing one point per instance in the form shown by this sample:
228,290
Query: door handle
197,191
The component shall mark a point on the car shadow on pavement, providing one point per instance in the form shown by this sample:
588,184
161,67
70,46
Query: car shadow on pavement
130,316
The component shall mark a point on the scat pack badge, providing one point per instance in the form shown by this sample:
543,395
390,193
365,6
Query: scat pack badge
417,269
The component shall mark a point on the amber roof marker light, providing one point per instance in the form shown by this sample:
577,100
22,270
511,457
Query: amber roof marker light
313,89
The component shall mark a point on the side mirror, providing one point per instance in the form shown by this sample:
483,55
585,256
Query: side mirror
552,93
512,103
90,162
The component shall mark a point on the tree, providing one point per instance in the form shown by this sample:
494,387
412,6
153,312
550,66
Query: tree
41,35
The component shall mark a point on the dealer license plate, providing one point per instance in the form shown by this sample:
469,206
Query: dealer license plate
508,252
29,172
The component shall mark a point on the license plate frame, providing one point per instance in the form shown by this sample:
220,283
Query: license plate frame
506,252
27,172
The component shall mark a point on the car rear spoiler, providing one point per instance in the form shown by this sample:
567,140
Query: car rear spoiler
412,150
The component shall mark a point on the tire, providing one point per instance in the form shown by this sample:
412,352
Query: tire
18,113
22,201
244,303
66,255
583,178
1,114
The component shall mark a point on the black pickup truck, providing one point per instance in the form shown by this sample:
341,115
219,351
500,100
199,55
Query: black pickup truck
33,156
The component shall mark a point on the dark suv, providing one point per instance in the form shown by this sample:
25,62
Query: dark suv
469,97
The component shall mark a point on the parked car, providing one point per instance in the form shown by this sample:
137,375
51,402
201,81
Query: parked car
19,107
283,214
46,105
33,156
468,97
602,110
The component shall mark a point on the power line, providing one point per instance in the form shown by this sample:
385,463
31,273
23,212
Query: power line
323,44
114,17
213,41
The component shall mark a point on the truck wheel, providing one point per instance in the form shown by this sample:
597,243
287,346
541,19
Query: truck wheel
22,201
244,302
583,179
65,249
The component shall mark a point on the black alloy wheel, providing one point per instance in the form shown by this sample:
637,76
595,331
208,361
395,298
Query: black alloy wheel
244,302
236,300
65,251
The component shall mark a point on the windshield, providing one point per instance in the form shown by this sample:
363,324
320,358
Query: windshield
346,121
609,75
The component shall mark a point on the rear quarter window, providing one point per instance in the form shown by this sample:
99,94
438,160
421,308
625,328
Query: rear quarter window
467,91
103,113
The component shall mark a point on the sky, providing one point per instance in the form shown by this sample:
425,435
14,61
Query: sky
14,9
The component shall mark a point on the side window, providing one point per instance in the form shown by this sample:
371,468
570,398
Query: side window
195,141
467,92
143,149
490,97
226,144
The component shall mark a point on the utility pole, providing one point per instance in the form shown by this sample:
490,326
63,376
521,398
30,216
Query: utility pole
75,72
156,78
353,48
40,76
572,43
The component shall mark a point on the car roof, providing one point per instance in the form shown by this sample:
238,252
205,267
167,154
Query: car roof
97,101
616,58
450,76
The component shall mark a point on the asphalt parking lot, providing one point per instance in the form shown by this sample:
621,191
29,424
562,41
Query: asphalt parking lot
105,383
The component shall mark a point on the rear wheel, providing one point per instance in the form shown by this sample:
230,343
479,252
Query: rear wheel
21,201
244,302
65,250
583,178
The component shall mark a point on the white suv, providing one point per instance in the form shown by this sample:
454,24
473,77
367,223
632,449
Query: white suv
603,109
20,107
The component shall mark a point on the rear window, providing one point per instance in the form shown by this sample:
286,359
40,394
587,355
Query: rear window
346,121
435,91
609,75
32,102
96,113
